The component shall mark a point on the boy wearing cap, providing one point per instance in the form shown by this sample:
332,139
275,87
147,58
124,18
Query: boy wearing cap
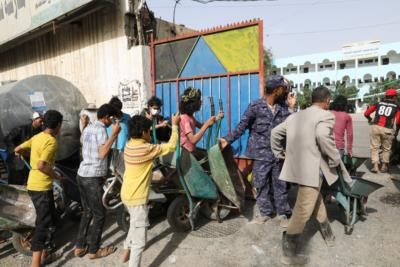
260,118
18,135
382,132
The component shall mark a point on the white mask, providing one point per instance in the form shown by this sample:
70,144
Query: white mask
154,111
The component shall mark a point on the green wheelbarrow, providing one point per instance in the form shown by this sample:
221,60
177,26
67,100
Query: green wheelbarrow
351,198
213,185
213,193
352,163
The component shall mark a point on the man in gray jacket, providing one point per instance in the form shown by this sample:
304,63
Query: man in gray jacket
310,156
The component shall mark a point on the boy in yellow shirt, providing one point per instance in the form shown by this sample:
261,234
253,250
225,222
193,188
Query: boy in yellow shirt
43,148
138,156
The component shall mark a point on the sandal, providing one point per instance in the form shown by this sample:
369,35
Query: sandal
102,252
80,252
50,257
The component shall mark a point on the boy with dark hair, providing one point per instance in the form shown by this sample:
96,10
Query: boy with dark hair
92,170
190,102
116,103
153,113
43,148
154,101
139,155
123,119
343,124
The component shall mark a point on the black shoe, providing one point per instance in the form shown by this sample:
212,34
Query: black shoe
289,251
327,234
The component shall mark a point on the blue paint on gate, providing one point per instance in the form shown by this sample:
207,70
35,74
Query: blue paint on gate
167,100
224,97
235,111
244,93
254,87
202,62
243,90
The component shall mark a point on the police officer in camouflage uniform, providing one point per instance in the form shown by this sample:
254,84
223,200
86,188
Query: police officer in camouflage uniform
260,117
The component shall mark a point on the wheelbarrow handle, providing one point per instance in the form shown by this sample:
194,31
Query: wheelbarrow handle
25,162
182,180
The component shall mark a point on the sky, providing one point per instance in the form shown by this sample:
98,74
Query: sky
295,27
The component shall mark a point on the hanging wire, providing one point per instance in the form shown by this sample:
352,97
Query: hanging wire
173,16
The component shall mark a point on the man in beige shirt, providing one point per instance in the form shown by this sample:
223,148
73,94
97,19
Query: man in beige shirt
310,156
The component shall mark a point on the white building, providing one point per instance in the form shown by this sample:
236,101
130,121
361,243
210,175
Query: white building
356,64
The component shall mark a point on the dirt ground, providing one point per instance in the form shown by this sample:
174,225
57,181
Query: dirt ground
375,241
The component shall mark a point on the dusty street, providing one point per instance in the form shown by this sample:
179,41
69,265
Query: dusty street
238,242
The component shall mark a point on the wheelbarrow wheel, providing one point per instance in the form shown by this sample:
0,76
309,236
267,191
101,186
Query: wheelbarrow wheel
178,214
123,219
22,242
209,210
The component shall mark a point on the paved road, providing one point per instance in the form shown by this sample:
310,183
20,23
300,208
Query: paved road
239,242
361,136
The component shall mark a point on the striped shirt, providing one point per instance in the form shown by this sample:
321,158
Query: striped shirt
138,157
93,136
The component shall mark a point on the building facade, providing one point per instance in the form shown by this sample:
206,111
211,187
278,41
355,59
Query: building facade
90,43
357,64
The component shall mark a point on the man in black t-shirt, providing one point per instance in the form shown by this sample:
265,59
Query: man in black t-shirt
18,173
382,133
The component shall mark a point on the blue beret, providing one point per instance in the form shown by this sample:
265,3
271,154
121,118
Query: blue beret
275,81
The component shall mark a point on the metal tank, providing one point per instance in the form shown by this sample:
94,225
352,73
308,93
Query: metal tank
59,94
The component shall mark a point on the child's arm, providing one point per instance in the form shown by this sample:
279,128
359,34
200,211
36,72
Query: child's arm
194,138
19,150
198,124
173,140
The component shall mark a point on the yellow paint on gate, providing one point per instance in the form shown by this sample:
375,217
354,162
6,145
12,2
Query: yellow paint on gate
237,49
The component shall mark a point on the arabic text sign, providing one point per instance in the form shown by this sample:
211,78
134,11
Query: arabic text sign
361,50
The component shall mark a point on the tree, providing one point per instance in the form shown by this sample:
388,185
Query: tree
268,58
344,90
304,99
379,89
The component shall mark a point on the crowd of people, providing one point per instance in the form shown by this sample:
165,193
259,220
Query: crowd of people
287,146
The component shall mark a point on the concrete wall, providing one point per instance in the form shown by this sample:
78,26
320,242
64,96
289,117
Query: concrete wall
91,53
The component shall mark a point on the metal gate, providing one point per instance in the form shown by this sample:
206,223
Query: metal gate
224,62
